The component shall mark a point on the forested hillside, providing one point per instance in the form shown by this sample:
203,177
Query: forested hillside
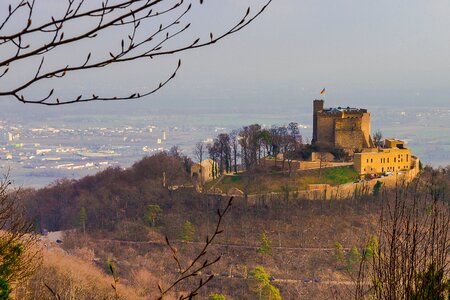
309,249
108,197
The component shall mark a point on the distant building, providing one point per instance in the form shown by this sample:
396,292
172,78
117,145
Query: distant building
206,170
393,158
349,129
346,128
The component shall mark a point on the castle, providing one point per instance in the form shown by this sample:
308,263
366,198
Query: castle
349,129
346,128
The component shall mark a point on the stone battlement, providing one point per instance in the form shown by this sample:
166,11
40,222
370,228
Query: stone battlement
341,127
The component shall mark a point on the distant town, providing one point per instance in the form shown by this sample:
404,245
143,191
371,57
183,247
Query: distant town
38,154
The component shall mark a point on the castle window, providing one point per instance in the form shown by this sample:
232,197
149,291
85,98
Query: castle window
371,160
388,159
395,159
407,156
367,160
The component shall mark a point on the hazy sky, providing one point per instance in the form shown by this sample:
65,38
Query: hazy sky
364,52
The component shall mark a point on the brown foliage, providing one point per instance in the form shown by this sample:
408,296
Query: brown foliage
73,278
19,250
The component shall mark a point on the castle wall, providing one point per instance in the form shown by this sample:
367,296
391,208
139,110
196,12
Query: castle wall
317,106
344,191
365,127
348,133
385,160
325,129
347,128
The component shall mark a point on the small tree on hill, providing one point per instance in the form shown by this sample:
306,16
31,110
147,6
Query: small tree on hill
371,248
338,253
82,218
377,188
216,297
189,230
266,244
153,214
353,259
263,287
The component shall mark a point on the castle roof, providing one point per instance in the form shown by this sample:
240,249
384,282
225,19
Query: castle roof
344,109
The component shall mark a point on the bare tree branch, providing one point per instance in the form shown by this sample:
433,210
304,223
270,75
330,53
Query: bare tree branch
199,263
168,18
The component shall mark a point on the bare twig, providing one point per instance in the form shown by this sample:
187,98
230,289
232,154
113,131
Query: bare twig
199,263
127,14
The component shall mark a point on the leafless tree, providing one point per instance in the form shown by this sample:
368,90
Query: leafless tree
378,139
249,140
234,135
143,29
199,151
409,259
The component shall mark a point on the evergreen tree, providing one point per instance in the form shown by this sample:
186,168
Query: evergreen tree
338,253
353,258
377,188
264,288
188,234
153,214
82,218
371,249
431,284
266,243
10,256
216,297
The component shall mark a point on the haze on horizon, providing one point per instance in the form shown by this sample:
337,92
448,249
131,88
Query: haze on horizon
365,53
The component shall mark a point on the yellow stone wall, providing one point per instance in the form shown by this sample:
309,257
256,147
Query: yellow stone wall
391,143
383,160
325,130
350,131
204,171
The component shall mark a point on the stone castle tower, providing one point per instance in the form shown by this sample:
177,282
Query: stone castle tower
347,128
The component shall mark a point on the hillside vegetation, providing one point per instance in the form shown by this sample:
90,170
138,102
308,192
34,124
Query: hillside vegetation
122,217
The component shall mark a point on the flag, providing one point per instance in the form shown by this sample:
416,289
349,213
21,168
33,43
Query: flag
322,91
